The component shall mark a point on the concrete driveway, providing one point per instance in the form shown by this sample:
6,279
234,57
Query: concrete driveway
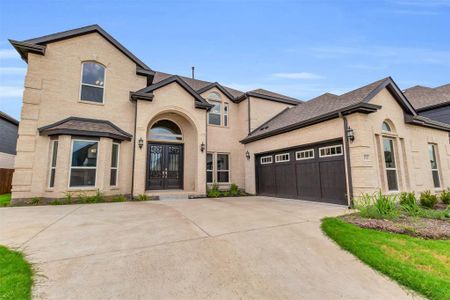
248,248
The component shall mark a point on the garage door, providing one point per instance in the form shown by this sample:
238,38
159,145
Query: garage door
314,172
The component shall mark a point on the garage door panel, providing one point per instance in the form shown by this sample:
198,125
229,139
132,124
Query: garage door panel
266,180
306,176
332,181
285,180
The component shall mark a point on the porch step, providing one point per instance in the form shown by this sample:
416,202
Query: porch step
170,194
173,196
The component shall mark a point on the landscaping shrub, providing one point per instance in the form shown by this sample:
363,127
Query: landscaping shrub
427,199
56,202
234,190
225,193
408,199
214,192
35,200
69,197
142,197
378,206
445,196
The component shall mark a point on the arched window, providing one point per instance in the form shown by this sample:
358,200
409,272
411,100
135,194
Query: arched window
92,82
213,96
165,130
386,127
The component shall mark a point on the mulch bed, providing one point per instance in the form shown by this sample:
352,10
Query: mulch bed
417,227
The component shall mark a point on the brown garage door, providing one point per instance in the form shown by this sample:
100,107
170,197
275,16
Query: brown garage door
315,172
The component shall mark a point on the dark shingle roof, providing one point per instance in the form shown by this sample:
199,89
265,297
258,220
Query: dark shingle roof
264,92
422,97
314,108
85,127
8,118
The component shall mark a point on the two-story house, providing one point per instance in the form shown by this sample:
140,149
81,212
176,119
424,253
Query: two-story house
94,116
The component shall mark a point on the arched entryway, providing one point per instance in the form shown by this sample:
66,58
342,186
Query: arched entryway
172,140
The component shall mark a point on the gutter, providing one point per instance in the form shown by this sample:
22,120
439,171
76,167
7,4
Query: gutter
348,163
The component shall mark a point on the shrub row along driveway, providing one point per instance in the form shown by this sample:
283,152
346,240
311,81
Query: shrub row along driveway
250,247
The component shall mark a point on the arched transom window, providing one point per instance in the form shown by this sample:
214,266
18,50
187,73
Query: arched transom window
386,127
165,130
92,82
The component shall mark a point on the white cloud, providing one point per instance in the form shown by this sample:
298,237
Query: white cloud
8,53
12,70
10,91
299,75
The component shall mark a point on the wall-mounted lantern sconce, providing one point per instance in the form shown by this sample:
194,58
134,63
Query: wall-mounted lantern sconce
350,134
247,154
202,147
141,143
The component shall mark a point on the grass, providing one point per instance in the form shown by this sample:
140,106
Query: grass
15,275
5,199
421,265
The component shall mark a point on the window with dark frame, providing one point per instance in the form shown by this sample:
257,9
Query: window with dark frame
434,165
113,181
92,82
389,161
51,182
83,167
209,168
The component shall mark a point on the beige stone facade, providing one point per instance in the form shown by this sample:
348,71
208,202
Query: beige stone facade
52,93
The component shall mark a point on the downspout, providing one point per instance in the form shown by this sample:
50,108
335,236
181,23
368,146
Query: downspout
348,163
134,150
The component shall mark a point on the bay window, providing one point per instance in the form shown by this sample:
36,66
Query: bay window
54,154
114,164
83,167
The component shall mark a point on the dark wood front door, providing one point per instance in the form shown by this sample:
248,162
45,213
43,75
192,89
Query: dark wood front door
165,166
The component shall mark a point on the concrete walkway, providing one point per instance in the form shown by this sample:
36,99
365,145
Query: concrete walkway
246,248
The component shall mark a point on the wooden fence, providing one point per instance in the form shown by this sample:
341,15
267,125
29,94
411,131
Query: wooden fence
5,180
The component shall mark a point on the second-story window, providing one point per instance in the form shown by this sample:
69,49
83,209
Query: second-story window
219,113
92,82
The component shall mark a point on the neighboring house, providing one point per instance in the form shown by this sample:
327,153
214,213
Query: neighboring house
433,103
8,140
96,117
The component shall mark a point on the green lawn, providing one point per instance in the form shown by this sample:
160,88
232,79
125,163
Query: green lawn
421,265
15,275
5,199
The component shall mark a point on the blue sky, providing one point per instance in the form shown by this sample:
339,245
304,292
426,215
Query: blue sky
298,48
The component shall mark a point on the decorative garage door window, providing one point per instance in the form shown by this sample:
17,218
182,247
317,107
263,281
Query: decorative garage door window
266,160
304,154
329,151
282,157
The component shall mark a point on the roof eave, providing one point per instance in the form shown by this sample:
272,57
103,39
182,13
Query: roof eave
23,48
275,99
365,108
219,87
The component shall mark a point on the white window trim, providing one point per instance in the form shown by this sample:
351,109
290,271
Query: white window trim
266,157
53,142
434,146
297,154
215,169
329,147
278,158
117,167
390,169
85,187
92,85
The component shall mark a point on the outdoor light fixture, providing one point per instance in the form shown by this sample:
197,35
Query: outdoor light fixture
247,154
141,143
350,134
202,147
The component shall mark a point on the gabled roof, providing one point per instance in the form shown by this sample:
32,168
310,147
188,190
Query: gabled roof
268,95
219,87
85,127
329,106
37,45
199,101
425,98
8,118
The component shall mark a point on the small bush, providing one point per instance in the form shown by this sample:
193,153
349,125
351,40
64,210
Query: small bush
427,199
378,206
408,199
119,198
434,213
234,190
56,202
445,196
225,193
142,197
214,192
35,200
69,197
